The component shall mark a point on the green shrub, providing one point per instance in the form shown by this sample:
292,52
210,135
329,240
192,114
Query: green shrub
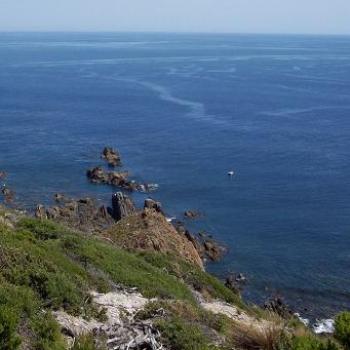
312,343
181,335
47,333
9,339
42,230
342,329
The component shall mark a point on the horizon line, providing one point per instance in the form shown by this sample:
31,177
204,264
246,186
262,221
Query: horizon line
166,32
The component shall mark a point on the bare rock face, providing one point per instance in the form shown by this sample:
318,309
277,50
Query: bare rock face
84,214
112,156
122,206
150,231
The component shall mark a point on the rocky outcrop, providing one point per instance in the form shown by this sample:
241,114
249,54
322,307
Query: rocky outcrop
152,204
112,156
3,175
213,250
150,231
192,214
98,175
83,214
8,194
122,206
121,330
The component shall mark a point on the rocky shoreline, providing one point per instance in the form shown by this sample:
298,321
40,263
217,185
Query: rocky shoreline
87,215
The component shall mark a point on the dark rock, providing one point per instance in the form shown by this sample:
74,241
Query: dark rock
8,194
213,250
277,305
97,175
122,206
3,175
118,179
111,156
232,284
83,214
192,214
59,197
195,242
240,278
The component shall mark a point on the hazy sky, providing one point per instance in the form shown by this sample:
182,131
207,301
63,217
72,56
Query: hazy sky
257,16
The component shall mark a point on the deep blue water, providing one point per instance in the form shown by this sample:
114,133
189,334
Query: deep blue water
183,110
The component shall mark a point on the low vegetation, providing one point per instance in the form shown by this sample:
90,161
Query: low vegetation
46,267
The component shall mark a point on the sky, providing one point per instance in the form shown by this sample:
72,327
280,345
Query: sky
237,16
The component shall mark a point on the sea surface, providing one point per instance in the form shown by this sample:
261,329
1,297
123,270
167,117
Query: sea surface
184,110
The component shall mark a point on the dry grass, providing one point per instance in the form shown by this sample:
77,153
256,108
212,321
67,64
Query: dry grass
266,335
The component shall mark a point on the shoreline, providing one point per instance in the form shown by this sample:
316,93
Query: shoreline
131,187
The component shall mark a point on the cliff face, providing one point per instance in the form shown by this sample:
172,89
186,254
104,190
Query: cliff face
149,231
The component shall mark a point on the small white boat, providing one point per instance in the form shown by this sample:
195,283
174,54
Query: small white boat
231,173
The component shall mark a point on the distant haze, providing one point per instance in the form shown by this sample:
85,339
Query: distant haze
240,16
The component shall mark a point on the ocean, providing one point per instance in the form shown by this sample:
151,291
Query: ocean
183,110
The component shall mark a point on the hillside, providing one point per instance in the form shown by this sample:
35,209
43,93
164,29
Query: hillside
63,288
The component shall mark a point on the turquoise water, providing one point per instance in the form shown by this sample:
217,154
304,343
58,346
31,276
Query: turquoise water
183,110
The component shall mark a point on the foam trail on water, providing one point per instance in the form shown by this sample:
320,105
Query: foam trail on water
196,109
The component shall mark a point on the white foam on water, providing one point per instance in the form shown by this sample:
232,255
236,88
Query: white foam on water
304,321
325,326
196,109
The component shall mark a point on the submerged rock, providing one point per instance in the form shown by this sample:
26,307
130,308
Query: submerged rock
112,156
192,214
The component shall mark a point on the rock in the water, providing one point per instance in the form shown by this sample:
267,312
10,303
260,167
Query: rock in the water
122,206
97,175
8,194
213,250
192,214
278,306
3,175
112,156
118,179
232,284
